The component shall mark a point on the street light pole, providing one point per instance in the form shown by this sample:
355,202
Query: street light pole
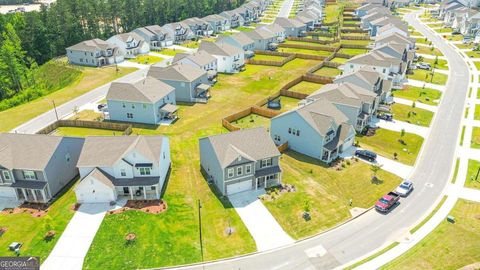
55,109
200,227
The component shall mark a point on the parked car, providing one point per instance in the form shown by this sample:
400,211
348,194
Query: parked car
424,66
405,188
385,116
365,154
102,107
386,203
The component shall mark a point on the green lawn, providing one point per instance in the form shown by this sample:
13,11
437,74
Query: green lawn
412,115
306,87
251,121
356,42
172,237
443,30
426,76
332,13
146,59
30,231
244,29
170,52
423,41
264,57
473,174
476,116
328,192
475,138
416,33
423,95
449,246
352,51
90,79
429,50
328,71
455,37
339,60
473,54
465,46
287,103
386,143
305,51
419,225
441,64
84,132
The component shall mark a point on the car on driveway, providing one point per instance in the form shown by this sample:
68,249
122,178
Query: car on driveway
367,155
424,66
385,116
388,201
405,188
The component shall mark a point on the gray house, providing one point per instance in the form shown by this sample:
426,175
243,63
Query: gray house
155,36
147,101
200,59
369,79
277,30
235,19
240,40
130,43
293,27
34,168
94,52
180,32
263,39
218,23
191,83
199,26
240,161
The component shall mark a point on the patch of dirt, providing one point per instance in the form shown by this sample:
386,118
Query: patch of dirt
146,206
35,209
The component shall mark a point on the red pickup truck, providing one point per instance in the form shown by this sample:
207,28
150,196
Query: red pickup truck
385,203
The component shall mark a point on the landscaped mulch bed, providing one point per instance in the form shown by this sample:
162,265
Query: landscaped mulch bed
35,209
147,206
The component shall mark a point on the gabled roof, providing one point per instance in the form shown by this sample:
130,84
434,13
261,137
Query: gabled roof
106,151
252,144
397,48
152,30
147,90
92,45
125,37
287,22
241,38
28,151
394,38
219,48
260,34
274,28
374,58
344,93
401,27
214,18
200,58
177,72
366,74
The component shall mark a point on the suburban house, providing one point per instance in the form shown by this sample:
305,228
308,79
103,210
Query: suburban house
263,39
293,27
34,168
147,101
235,19
363,10
369,79
199,59
240,40
94,52
155,36
397,51
230,59
191,83
307,19
375,25
246,15
318,129
218,23
131,43
450,5
240,161
366,22
253,8
396,38
357,103
180,32
199,27
392,28
470,25
133,167
277,30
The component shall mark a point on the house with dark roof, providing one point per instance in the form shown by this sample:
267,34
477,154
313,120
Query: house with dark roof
199,27
240,161
191,83
147,101
318,129
155,36
34,168
95,53
132,167
130,43
230,59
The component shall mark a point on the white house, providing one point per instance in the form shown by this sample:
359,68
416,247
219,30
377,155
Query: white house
131,43
230,59
94,52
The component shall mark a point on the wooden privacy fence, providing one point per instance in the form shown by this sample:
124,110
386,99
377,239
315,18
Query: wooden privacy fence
265,112
354,19
353,46
320,34
312,40
365,37
274,53
282,147
293,94
126,129
271,62
353,30
307,47
343,55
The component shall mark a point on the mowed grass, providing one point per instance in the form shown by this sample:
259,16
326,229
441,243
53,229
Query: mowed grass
441,63
252,121
305,51
473,54
476,115
387,142
84,132
423,95
429,50
305,87
287,104
473,174
171,52
475,138
90,79
449,246
412,115
146,59
328,71
426,76
352,51
264,57
30,230
174,236
328,192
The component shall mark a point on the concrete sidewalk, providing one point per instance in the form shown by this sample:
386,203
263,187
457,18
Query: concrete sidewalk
427,85
396,125
417,104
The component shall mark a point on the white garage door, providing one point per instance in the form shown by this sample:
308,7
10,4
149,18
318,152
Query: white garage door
92,191
239,187
96,197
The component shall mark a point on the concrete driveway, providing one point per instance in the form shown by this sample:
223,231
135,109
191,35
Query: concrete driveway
260,223
73,245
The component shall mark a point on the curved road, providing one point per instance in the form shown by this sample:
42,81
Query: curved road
372,230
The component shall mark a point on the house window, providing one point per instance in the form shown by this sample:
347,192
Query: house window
123,105
266,163
248,169
144,106
289,131
130,115
123,172
298,132
6,176
29,175
230,173
239,170
133,106
145,171
153,188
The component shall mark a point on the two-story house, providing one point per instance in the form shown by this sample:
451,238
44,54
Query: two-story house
369,79
147,101
95,53
240,40
191,83
155,36
230,59
133,167
200,27
34,168
293,27
318,129
200,59
263,39
240,161
131,43
277,30
235,19
218,23
180,32
397,38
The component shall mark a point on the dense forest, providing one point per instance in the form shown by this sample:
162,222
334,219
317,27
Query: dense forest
33,38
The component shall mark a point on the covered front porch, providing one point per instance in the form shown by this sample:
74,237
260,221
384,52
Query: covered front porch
139,192
31,191
267,177
202,91
168,112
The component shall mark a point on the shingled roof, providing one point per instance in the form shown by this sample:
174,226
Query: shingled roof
147,90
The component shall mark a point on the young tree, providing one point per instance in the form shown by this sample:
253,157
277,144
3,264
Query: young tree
375,168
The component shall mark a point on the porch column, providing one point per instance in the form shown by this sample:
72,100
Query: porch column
34,195
256,183
131,192
156,192
24,194
16,194
144,193
43,195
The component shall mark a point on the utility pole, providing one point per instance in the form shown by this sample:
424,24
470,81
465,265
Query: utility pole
55,109
200,227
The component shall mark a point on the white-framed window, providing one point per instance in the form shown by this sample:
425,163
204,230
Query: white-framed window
266,163
248,168
29,175
145,171
123,172
123,105
6,176
144,106
239,170
130,115
230,172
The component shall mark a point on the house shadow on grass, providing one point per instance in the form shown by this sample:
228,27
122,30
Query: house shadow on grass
306,159
223,199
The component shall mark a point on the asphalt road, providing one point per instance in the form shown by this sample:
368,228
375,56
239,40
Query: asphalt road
286,7
370,231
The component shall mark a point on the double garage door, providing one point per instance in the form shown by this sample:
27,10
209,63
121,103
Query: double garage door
239,187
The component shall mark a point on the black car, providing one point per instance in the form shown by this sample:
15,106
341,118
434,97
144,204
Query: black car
365,154
385,116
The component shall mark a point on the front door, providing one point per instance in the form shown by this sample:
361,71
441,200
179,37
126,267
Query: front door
261,182
126,190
